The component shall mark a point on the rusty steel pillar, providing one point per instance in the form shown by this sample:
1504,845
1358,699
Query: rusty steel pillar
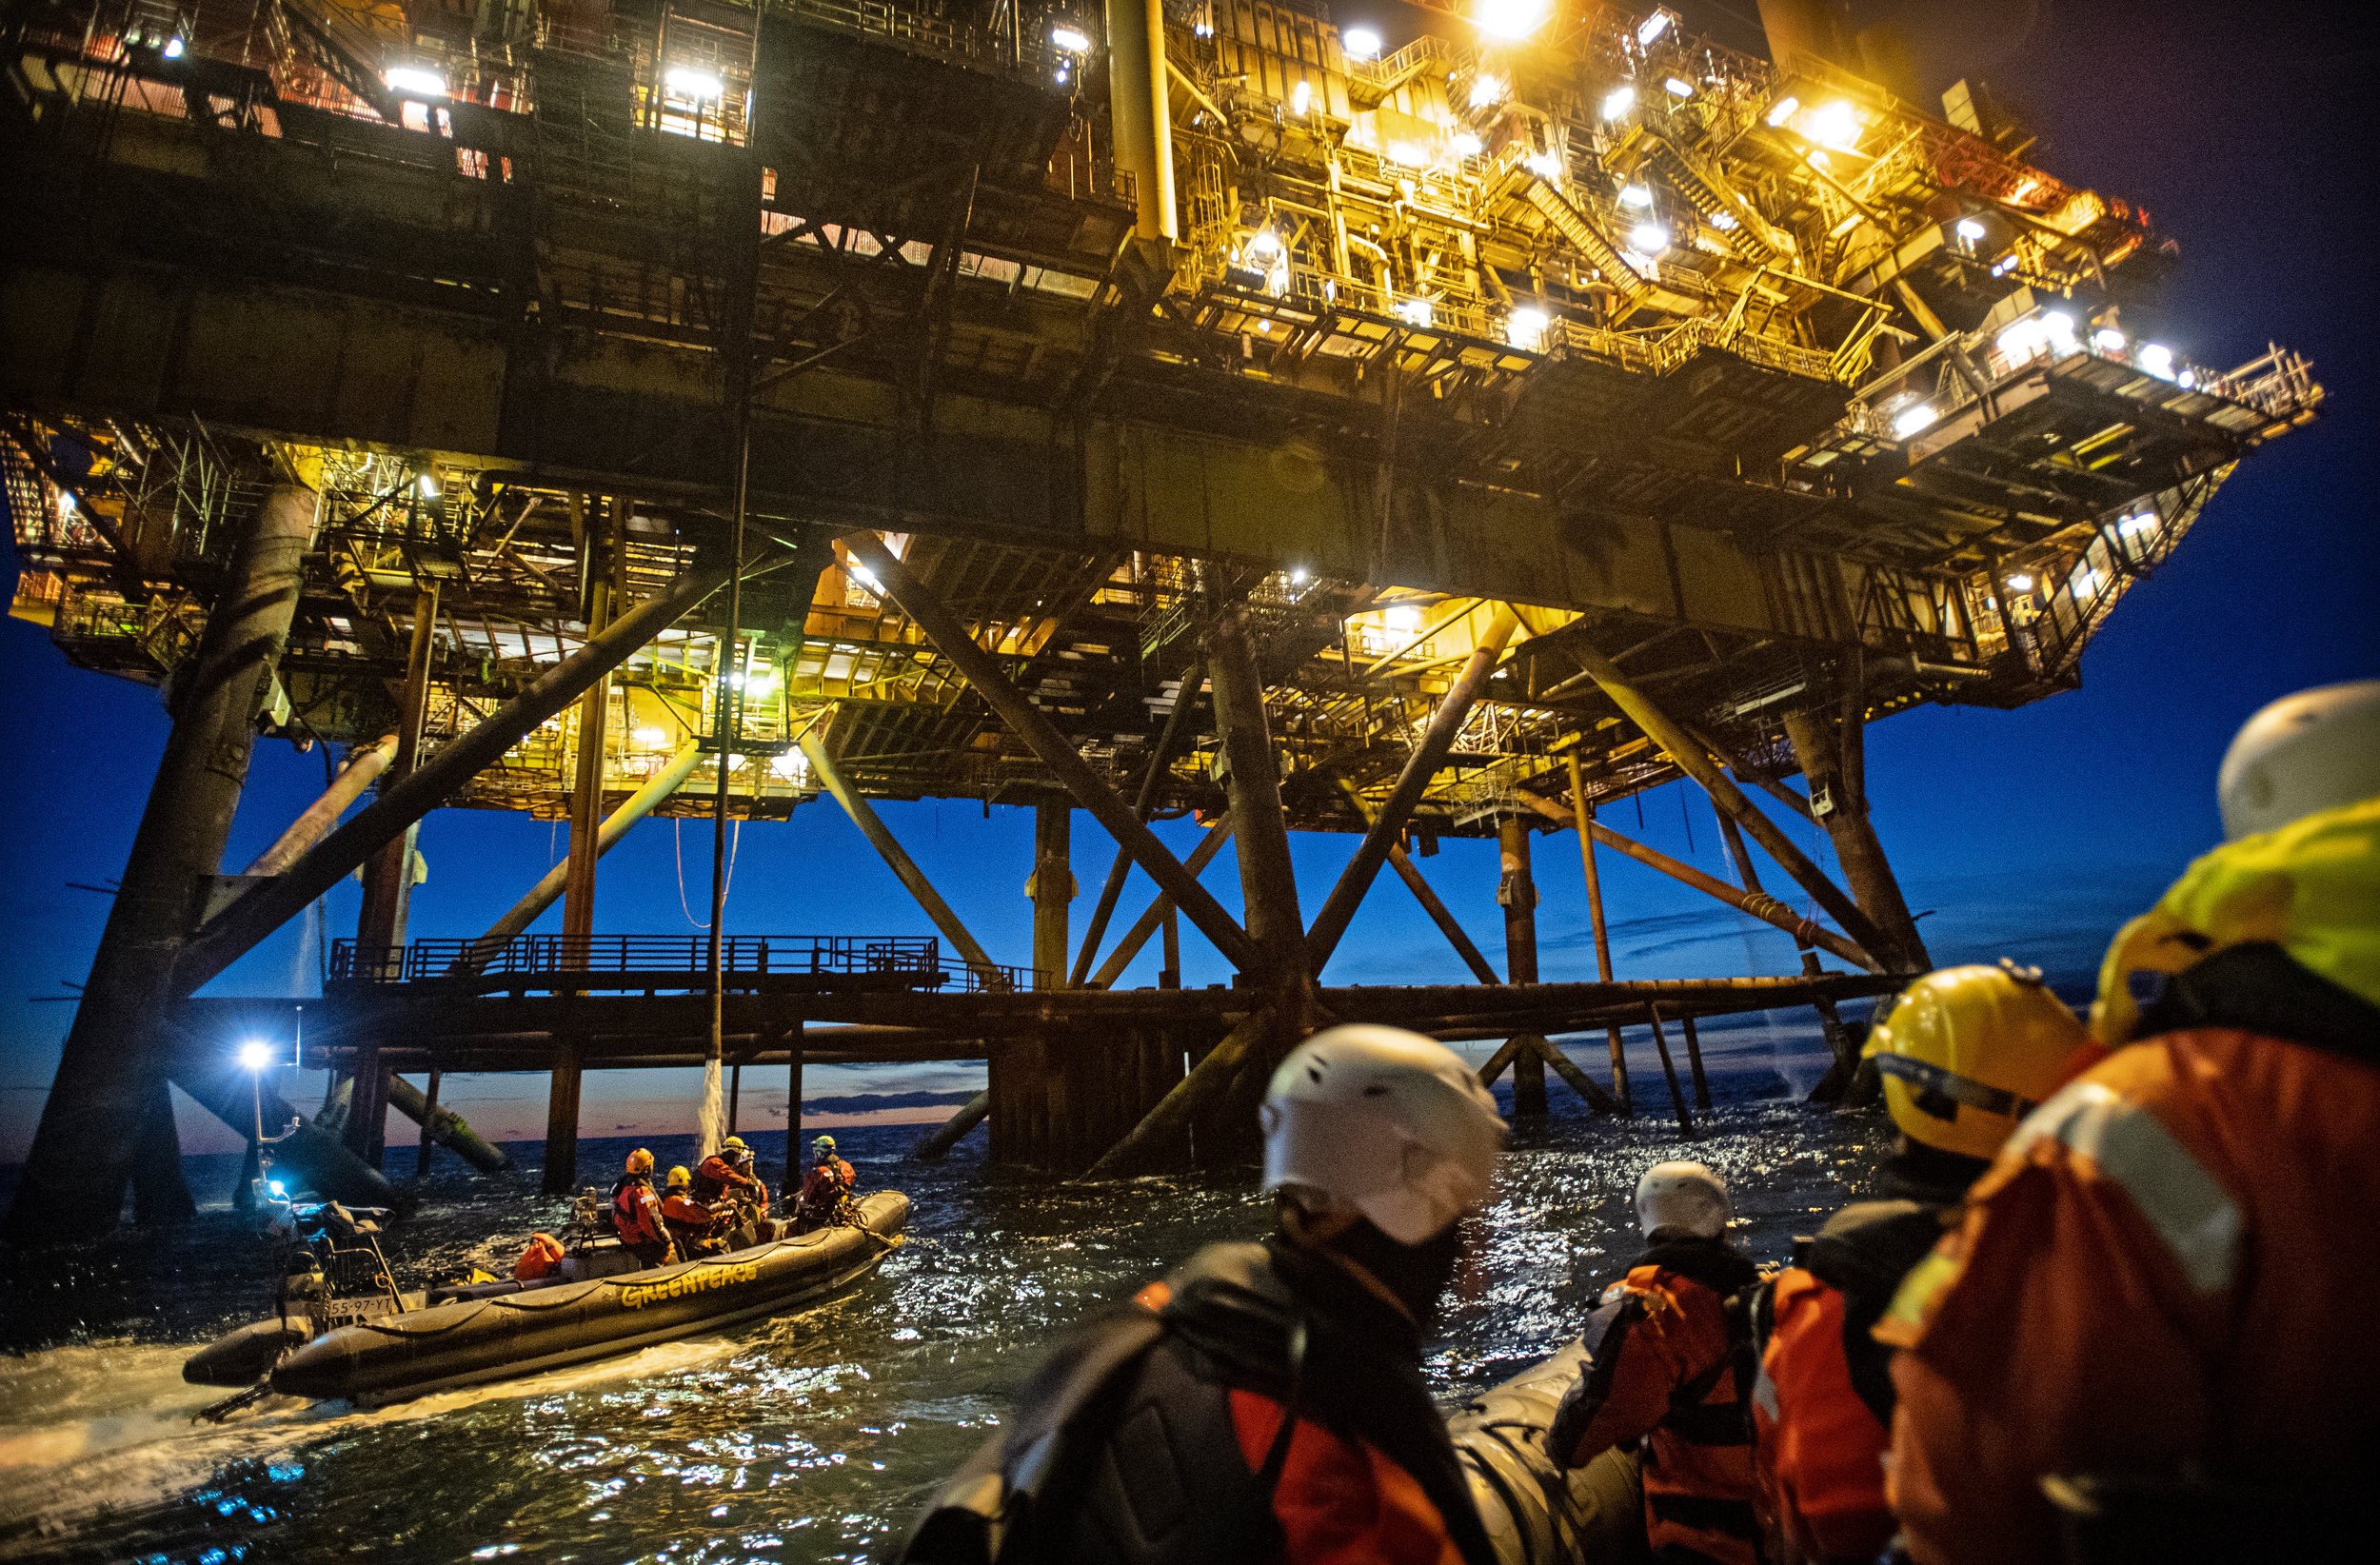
108,1119
561,1177
586,793
1831,754
1585,817
1516,891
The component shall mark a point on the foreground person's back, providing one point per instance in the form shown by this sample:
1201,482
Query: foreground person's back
1265,1402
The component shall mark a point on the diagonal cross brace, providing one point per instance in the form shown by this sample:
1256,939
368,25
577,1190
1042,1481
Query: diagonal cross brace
236,930
950,639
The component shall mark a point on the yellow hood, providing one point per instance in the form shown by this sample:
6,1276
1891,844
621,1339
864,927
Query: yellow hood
2311,888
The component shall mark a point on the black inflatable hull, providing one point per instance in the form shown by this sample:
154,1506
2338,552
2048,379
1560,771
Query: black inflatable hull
1538,1512
395,1356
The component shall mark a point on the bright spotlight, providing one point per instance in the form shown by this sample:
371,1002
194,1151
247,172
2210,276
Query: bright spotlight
1526,328
2139,522
1545,166
1404,619
1618,101
1648,239
1265,243
427,83
2155,358
1485,89
279,1189
1969,229
1677,87
2108,340
1635,195
429,487
255,1055
1359,43
1415,312
699,86
1653,27
1298,577
1785,108
1911,419
1513,19
1835,125
651,739
173,48
2021,583
1724,222
1466,145
1069,40
1301,98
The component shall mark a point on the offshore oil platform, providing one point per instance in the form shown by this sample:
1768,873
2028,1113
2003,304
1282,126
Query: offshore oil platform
606,408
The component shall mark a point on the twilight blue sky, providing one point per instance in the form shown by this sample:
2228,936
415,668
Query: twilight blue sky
2032,833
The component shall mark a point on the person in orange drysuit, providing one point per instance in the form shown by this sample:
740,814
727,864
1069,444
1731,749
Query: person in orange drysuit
727,1174
688,1220
823,1188
2151,1336
1661,1368
1965,1053
1264,1402
636,1212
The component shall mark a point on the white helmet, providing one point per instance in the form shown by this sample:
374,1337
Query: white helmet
2305,753
1385,1120
1685,1195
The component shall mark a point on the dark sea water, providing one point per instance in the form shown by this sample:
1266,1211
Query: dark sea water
809,1438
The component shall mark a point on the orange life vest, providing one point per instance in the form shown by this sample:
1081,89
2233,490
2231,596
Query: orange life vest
634,1210
540,1259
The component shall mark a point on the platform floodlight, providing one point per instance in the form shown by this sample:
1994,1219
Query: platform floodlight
1648,239
65,504
427,84
1403,619
2155,358
1635,195
2084,581
1485,89
1359,43
1545,166
2108,340
1511,19
281,1191
699,86
1724,222
1466,145
651,739
1677,87
1911,419
1969,229
1301,98
1415,312
1618,101
429,486
1783,110
1298,577
173,48
1264,242
255,1054
1649,30
2139,522
1526,328
1069,39
2021,583
1835,125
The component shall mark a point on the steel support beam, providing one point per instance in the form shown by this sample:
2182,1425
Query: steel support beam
1161,912
1438,739
881,838
1173,1114
952,1131
1695,761
109,1118
1602,934
365,763
1767,909
231,934
1830,753
1401,861
636,807
1268,880
1517,892
1056,752
1161,763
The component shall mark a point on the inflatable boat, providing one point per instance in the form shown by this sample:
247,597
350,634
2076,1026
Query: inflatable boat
390,1346
1535,1511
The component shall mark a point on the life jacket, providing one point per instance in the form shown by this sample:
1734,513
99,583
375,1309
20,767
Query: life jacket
632,1211
1188,1425
542,1257
1822,1384
716,1174
1661,1366
681,1212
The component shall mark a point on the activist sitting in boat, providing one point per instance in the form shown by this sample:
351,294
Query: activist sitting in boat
728,1173
825,1188
691,1225
636,1212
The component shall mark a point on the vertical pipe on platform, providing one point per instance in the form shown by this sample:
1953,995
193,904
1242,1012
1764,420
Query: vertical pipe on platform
794,1040
1602,934
1052,888
1516,891
735,1091
388,881
1137,111
429,1122
587,794
727,720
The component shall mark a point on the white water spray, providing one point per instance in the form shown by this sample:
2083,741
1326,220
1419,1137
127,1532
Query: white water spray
712,1127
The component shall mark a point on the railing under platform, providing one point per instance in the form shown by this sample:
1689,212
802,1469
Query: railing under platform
656,964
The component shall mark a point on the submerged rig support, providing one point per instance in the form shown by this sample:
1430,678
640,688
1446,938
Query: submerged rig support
1831,755
1517,893
111,1075
1585,817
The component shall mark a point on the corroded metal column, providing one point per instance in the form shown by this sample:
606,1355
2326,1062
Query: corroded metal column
586,793
1136,96
109,1118
1830,757
1602,934
1516,890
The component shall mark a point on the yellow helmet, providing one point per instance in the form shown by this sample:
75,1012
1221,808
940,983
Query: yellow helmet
639,1161
679,1176
1968,1051
733,1143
